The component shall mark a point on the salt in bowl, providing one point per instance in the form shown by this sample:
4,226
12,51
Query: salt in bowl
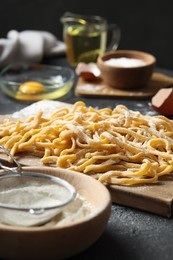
126,69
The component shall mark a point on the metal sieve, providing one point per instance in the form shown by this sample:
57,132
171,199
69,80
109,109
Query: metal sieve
29,199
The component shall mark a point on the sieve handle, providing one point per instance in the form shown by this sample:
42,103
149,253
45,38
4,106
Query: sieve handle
13,169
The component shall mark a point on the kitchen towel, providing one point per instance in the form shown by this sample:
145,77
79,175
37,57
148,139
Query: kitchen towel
28,46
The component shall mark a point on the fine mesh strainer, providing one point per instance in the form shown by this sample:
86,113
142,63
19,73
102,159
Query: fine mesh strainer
29,199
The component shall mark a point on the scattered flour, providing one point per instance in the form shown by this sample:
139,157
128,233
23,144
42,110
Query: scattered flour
90,87
47,106
75,211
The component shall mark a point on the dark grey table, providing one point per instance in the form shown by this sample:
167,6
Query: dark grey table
130,233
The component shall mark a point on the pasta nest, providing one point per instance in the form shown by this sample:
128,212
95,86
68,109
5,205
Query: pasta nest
115,146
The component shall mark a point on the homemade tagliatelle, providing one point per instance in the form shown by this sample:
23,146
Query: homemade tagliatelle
116,146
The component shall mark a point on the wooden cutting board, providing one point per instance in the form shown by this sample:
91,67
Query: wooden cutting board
99,88
156,198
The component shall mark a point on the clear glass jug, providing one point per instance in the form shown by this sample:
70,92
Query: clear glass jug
86,37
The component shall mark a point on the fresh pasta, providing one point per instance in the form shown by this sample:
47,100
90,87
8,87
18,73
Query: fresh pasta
116,146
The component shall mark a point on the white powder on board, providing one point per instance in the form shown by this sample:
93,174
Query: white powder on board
90,87
47,106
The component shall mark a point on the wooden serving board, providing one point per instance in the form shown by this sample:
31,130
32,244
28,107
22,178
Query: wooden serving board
99,88
156,198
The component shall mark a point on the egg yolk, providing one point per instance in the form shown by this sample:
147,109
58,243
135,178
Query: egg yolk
31,87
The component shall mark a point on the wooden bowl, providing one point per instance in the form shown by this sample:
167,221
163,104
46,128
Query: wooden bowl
126,77
53,242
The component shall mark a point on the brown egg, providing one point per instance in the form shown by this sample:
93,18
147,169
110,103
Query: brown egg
88,71
162,101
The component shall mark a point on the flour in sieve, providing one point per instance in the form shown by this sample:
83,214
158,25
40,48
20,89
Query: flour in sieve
34,196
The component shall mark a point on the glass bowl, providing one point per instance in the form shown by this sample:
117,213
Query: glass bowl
32,82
